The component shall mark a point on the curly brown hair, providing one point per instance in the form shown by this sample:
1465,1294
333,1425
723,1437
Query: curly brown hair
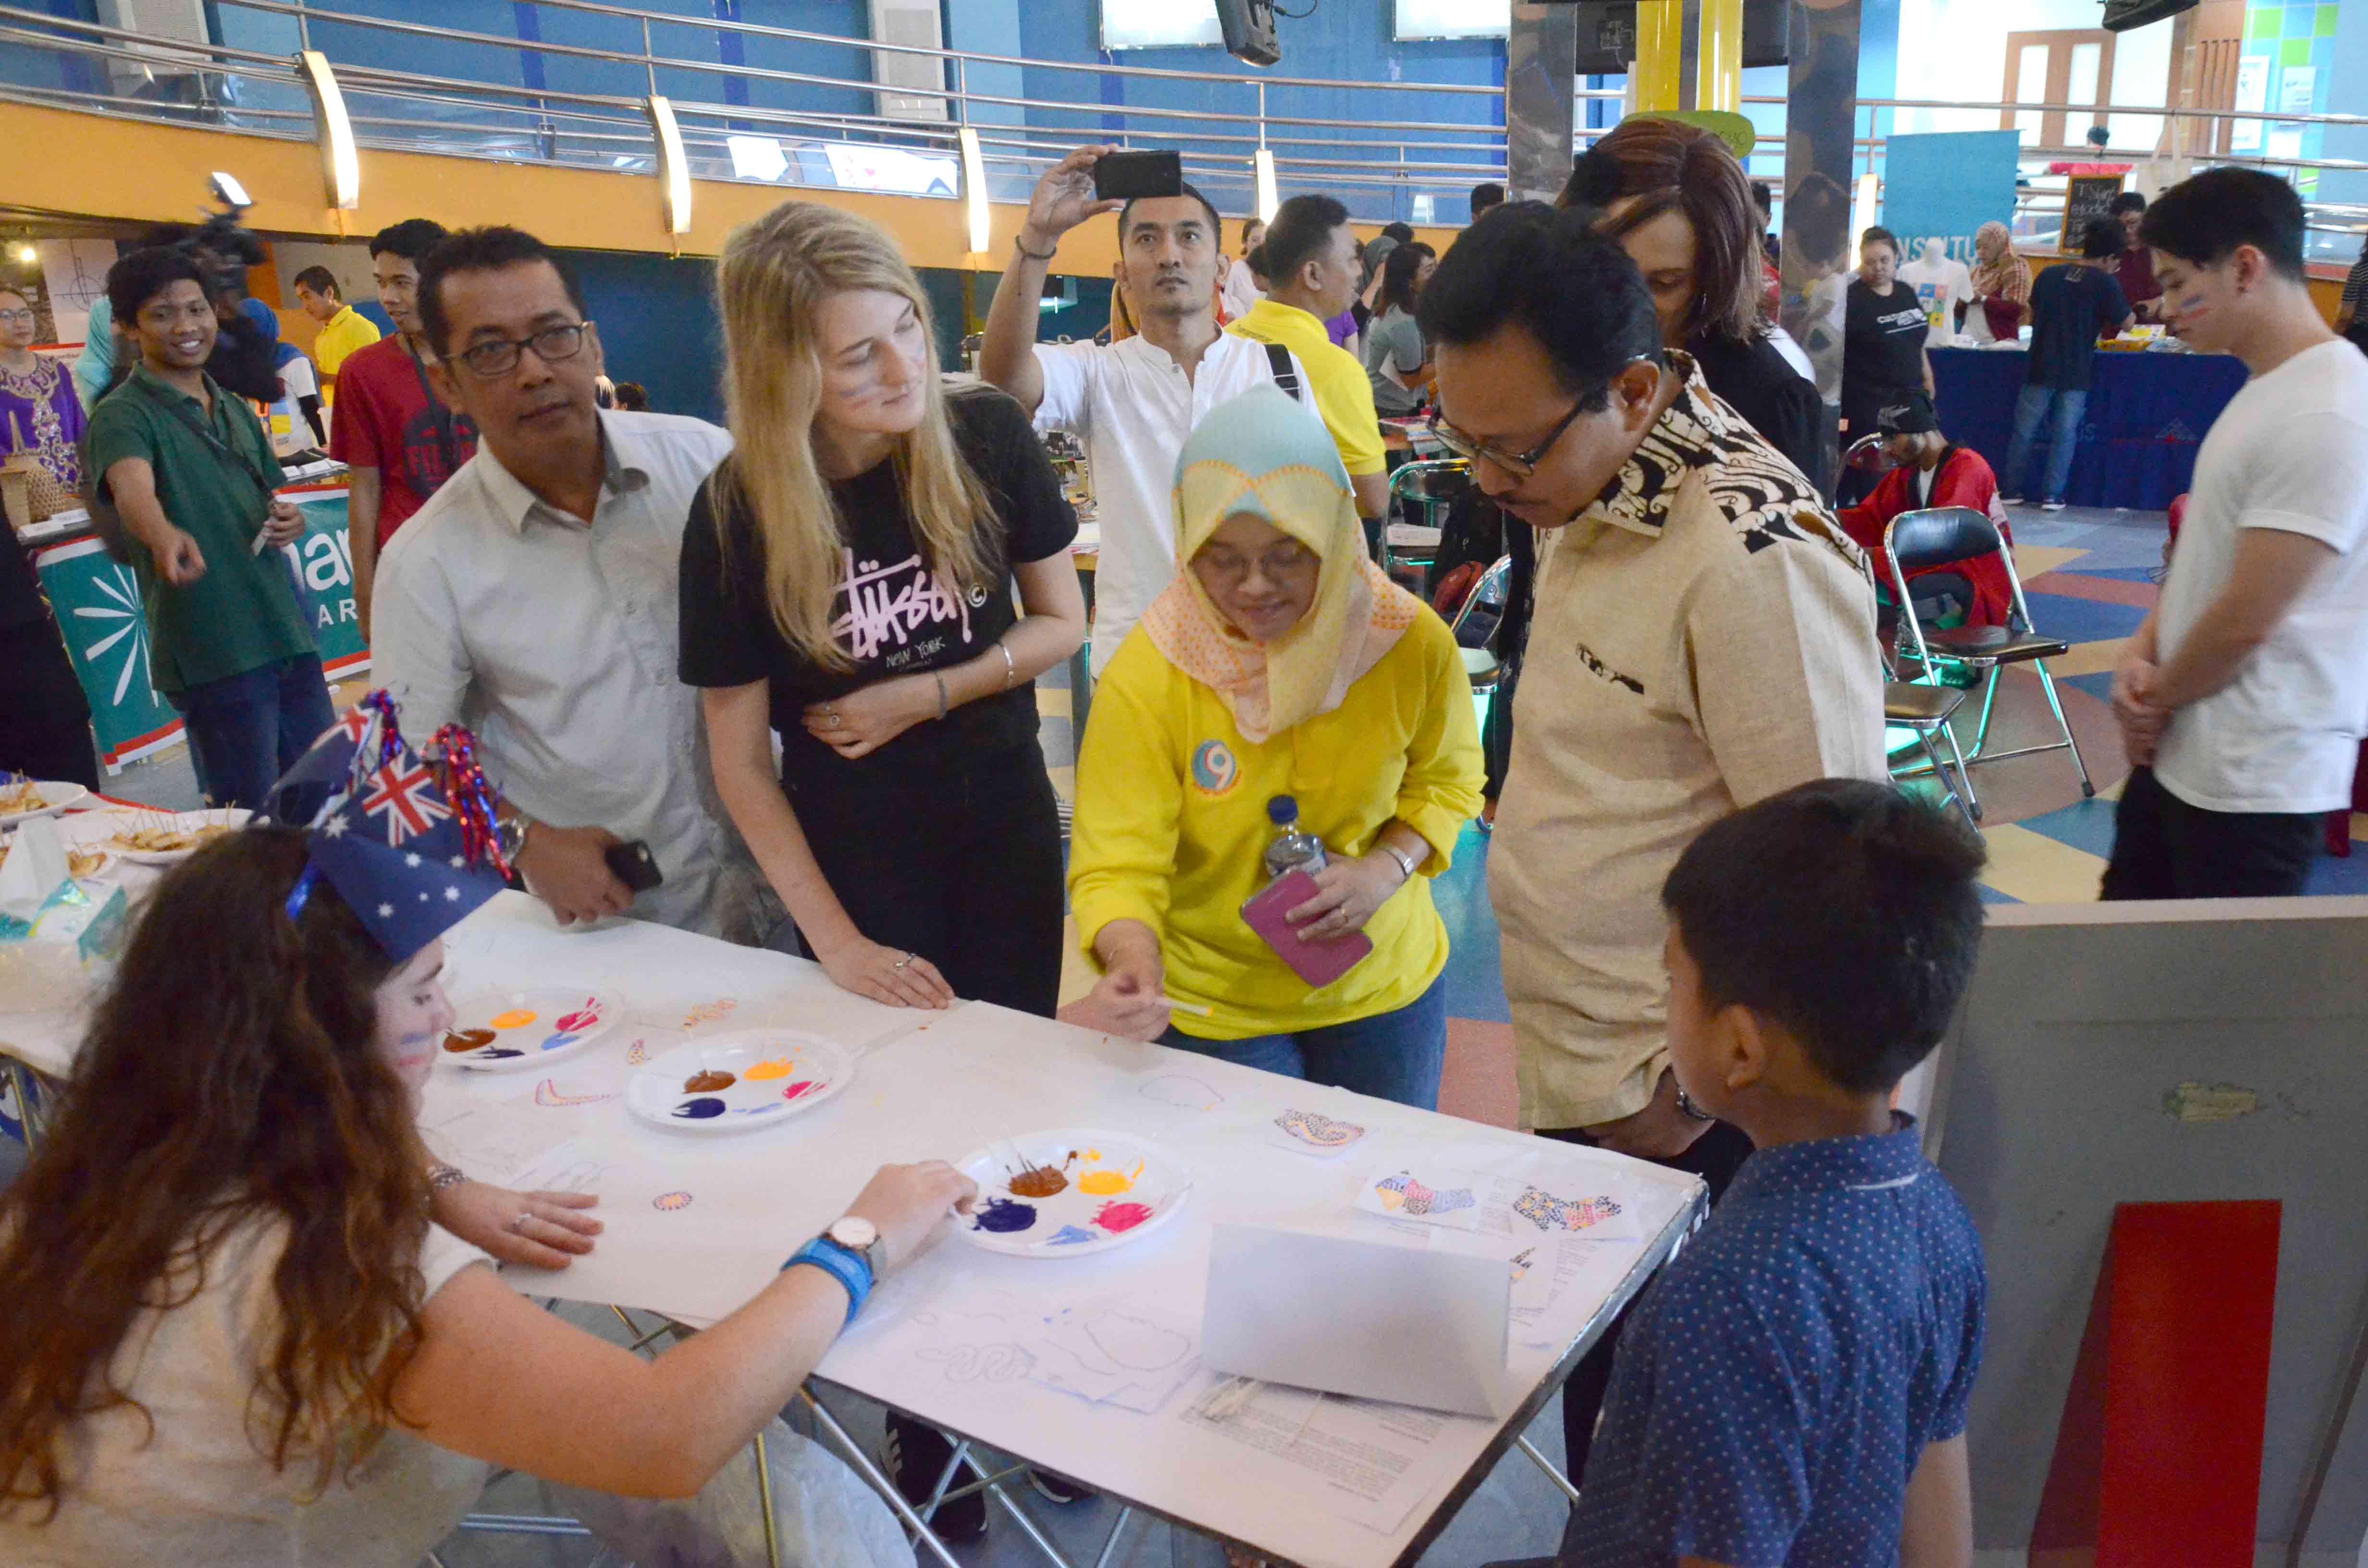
1668,165
231,1075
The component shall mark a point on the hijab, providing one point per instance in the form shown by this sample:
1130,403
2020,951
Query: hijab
2007,278
1266,455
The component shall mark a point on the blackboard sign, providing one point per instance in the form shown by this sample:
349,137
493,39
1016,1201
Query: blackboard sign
2086,197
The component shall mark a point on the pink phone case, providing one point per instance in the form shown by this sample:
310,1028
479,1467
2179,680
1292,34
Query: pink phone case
1318,964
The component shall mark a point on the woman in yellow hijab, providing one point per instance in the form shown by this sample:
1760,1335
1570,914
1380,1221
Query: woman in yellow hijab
1280,662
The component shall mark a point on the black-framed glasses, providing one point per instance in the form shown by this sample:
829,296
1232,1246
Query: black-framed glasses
19,315
1522,465
499,356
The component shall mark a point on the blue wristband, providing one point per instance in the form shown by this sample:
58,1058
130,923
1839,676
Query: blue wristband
848,1267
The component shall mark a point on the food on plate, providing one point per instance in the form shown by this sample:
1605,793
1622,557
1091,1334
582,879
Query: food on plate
84,862
168,840
24,795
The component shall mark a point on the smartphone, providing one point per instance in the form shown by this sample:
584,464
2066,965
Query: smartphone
634,865
1123,176
1317,963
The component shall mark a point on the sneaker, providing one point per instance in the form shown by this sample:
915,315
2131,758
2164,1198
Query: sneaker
916,1456
1057,1489
2052,506
2012,501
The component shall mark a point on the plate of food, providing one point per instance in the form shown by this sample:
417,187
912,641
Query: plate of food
1070,1191
736,1082
504,1031
167,838
82,861
23,799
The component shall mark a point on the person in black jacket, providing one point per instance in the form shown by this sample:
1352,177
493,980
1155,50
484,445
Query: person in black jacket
1678,202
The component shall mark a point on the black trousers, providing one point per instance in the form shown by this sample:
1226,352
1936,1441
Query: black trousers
2163,847
968,875
44,721
1715,1156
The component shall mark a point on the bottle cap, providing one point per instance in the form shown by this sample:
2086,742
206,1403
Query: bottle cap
1282,810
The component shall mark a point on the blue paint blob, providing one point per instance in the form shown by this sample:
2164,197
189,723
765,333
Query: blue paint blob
700,1109
1001,1215
760,1109
492,1051
1069,1235
555,1042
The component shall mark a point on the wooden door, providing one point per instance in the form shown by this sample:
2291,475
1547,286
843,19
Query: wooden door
2069,66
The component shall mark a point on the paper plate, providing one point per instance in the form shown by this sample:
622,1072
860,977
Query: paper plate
56,796
181,822
775,1073
528,1028
1119,1189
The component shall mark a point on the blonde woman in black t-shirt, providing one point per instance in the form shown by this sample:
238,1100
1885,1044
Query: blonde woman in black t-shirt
848,584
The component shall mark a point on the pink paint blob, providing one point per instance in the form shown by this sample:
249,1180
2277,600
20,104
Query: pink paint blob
578,1021
1117,1217
801,1089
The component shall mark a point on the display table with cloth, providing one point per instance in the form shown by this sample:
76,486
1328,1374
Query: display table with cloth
697,1225
2148,413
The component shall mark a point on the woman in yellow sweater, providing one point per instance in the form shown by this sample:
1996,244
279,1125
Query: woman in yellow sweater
1280,662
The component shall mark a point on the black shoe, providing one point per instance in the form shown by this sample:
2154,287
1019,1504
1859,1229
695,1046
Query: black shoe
1057,1489
916,1456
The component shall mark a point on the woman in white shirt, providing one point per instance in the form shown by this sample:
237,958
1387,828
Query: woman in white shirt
1240,288
233,1333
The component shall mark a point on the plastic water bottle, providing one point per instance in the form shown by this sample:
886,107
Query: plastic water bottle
1292,848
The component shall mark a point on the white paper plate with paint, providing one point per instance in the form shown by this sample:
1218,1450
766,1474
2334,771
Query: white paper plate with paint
739,1081
22,800
508,1031
168,839
1113,1188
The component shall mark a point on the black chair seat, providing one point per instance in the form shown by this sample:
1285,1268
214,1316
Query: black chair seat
1919,705
1973,644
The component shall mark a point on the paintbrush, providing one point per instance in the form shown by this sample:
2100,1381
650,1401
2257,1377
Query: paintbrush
1183,1007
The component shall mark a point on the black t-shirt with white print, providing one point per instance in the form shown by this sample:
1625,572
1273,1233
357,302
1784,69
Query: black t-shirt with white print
892,615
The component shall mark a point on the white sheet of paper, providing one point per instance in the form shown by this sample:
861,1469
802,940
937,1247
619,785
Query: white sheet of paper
490,1141
1361,1460
36,865
1367,1318
1127,1354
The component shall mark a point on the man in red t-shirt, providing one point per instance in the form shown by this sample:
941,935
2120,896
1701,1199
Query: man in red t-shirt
401,440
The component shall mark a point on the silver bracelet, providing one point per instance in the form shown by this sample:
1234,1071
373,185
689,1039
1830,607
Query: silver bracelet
1405,862
441,1175
941,694
1011,669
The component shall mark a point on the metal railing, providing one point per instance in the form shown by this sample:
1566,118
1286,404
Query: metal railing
1416,168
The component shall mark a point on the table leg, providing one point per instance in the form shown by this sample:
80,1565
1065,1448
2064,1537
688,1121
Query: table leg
855,1456
1118,1528
765,1502
1562,1482
1028,1525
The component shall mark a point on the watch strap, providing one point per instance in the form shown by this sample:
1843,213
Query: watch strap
849,1267
441,1175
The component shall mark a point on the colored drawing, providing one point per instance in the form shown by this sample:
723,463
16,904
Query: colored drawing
515,1018
583,1019
668,1203
468,1040
547,1093
1189,1094
1548,1212
700,1109
772,1067
1117,1217
707,1082
1002,1216
637,1054
1403,1191
1067,1236
1316,1128
1522,1262
800,1090
1109,1184
708,1012
552,1043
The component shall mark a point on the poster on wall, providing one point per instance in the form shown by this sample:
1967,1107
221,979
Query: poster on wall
2252,95
2295,89
76,274
1946,185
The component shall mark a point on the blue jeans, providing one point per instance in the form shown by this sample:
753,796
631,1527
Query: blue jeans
247,730
2032,408
1391,1056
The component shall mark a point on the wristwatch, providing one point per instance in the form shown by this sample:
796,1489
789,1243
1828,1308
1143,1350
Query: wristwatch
441,1175
512,833
861,1237
850,1252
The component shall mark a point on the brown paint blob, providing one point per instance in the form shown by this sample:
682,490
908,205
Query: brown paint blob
468,1040
1038,1181
707,1083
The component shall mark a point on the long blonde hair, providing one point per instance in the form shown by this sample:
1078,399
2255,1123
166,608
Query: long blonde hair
774,275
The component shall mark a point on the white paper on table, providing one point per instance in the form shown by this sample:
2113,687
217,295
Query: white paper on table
1361,1460
36,865
1303,1130
1549,1269
1367,1318
490,1141
1115,1352
1434,1194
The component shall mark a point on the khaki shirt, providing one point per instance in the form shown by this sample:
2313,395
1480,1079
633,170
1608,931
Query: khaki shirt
1703,638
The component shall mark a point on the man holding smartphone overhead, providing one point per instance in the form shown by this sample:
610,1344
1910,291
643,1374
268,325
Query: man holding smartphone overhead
534,599
1135,401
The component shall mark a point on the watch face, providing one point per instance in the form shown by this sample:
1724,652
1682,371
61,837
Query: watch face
855,1231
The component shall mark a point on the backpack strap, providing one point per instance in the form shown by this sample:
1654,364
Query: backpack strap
1285,375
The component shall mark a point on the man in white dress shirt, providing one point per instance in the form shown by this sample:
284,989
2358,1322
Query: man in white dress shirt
533,598
1133,402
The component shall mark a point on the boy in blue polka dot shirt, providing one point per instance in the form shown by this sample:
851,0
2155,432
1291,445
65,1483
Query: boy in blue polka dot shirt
1792,1389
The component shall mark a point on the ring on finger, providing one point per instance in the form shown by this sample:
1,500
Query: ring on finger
904,962
518,1226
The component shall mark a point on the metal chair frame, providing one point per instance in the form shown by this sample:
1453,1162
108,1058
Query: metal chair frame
1417,494
1911,623
1497,577
1961,790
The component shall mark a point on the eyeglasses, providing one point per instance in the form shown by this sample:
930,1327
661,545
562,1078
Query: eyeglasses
1522,465
1283,561
17,316
499,356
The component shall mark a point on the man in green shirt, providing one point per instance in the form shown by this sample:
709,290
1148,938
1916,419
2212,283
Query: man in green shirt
191,472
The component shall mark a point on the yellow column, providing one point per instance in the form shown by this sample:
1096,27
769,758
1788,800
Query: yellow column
1660,38
1718,58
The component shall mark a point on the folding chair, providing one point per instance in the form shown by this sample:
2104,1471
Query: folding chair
1429,487
1925,709
1488,593
1935,537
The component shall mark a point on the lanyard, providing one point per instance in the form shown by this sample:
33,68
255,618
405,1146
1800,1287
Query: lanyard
445,444
206,433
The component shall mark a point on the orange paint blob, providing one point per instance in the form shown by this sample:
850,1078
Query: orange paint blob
515,1018
779,1067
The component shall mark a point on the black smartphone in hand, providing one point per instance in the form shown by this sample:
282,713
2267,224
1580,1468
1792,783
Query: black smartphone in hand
634,865
1124,177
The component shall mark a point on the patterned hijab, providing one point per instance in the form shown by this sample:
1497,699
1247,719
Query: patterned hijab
1265,455
2007,278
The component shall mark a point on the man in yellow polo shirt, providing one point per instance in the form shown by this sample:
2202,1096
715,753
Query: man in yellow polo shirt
343,329
1311,269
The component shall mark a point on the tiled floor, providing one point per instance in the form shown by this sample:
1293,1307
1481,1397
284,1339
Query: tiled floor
2090,578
